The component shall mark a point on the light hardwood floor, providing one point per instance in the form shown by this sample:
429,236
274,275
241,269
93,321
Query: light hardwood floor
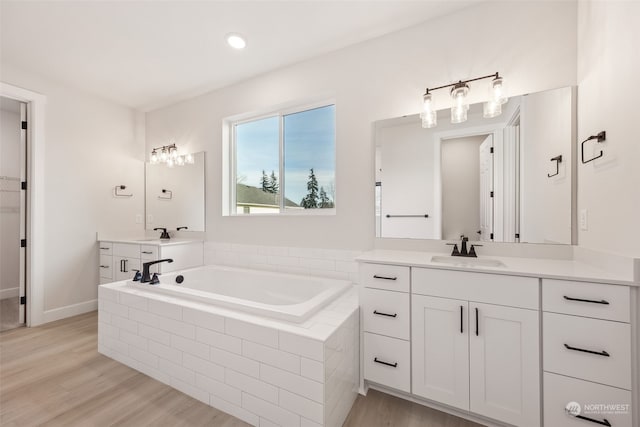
9,315
53,375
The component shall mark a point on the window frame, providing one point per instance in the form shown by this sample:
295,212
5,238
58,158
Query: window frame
229,128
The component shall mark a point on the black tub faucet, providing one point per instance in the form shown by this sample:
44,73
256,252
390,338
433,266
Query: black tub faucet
146,278
164,234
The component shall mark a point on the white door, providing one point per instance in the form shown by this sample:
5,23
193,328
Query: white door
504,364
486,189
123,268
440,350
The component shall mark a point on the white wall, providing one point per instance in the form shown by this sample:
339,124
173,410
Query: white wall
92,145
608,95
533,44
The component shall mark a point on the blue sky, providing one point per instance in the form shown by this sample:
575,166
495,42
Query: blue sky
309,142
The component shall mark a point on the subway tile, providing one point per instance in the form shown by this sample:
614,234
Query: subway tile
114,308
103,316
154,334
251,332
203,319
271,356
105,293
304,422
166,352
318,264
133,301
133,340
190,390
176,327
143,356
252,386
219,389
347,266
124,323
105,329
235,362
195,348
216,339
312,369
301,406
165,309
176,371
203,367
270,411
266,423
234,410
116,345
291,382
303,346
244,249
283,260
273,250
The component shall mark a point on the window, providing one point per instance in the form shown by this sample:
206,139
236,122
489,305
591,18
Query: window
284,162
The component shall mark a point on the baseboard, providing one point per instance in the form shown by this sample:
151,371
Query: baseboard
9,293
69,310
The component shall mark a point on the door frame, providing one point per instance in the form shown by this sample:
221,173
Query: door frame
34,281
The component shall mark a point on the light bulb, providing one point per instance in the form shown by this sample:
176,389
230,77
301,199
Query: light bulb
171,163
189,159
497,91
180,161
428,114
154,157
164,155
491,109
236,41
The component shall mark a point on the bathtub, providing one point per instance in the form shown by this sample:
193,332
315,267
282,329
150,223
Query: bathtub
281,296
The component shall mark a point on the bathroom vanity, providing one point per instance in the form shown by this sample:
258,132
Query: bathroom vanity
119,258
512,344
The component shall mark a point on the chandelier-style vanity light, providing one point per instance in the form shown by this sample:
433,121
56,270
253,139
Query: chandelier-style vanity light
460,104
169,155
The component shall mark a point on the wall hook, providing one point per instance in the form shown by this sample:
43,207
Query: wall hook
117,190
168,194
558,160
599,137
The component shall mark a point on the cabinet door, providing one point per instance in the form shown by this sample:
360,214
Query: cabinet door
123,267
504,364
440,353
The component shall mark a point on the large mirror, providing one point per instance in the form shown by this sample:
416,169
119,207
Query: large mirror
175,196
504,179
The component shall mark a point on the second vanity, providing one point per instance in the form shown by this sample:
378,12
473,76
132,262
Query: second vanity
510,345
119,258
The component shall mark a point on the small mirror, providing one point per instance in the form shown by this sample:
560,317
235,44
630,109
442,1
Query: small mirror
503,179
175,196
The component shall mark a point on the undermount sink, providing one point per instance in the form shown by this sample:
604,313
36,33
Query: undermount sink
467,262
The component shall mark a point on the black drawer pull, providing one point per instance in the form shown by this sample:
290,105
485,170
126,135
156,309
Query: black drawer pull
604,421
105,249
599,353
375,276
379,313
477,323
104,266
393,365
586,300
147,252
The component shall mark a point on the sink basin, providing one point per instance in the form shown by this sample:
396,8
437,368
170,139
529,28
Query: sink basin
467,262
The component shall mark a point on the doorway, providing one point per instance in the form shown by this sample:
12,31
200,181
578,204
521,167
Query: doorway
13,210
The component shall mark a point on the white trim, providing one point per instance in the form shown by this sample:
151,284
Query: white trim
35,195
10,293
70,310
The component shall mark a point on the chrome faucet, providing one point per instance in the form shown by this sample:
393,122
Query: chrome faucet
146,278
463,248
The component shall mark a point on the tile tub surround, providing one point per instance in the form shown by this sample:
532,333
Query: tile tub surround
263,371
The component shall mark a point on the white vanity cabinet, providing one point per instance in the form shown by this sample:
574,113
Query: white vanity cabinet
473,355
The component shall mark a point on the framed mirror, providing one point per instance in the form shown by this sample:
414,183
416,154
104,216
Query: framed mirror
174,197
509,178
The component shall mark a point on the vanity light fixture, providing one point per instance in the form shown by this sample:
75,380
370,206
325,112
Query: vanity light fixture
460,103
169,155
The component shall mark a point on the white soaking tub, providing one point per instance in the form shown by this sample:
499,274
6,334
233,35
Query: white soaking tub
289,297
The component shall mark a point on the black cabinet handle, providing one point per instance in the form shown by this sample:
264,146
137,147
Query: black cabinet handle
604,421
393,365
461,315
122,266
105,249
375,276
379,313
477,323
104,266
147,252
125,265
599,353
586,300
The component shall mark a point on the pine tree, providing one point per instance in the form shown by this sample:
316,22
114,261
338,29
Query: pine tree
324,199
264,182
273,183
310,201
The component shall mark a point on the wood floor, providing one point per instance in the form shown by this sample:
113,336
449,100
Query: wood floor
9,315
53,375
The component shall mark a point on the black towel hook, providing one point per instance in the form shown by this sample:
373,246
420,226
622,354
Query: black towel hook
558,160
599,137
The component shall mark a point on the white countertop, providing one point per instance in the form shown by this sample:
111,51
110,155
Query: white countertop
530,267
153,241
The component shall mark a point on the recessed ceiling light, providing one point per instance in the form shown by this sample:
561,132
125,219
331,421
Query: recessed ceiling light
236,41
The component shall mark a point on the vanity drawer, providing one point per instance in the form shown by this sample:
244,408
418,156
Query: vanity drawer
106,266
127,250
106,248
611,302
386,361
149,252
600,350
386,312
560,391
497,289
382,276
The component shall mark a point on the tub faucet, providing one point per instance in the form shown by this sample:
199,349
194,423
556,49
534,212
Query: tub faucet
146,278
164,234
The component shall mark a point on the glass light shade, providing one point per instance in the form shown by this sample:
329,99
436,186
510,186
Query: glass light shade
171,163
491,109
428,114
460,103
173,152
459,114
164,155
180,161
497,91
154,157
189,159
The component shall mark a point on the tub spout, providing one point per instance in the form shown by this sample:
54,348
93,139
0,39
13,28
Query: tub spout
146,278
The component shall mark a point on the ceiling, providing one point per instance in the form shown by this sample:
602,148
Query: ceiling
147,54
